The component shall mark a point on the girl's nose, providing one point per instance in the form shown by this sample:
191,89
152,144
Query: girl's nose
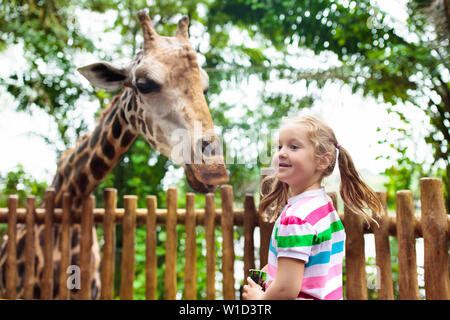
281,153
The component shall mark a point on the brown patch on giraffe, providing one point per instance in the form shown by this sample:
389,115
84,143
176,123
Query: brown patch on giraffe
67,171
98,167
134,102
133,121
110,117
81,163
107,148
82,181
130,104
116,128
95,136
20,247
122,115
82,146
127,138
72,189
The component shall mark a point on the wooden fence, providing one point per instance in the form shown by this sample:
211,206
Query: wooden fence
433,226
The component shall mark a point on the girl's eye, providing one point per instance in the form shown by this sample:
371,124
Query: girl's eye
279,148
293,147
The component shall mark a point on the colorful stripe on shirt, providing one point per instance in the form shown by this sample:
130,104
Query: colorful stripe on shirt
309,229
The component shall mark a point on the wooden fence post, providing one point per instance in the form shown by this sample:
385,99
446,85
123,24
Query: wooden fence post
29,249
150,250
64,292
109,236
249,228
170,275
190,278
128,247
210,214
87,223
355,261
434,229
227,241
47,279
407,265
11,258
383,252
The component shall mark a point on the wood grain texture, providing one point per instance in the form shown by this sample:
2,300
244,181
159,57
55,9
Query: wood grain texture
170,275
407,265
109,236
383,253
227,243
150,250
190,271
128,247
210,211
434,227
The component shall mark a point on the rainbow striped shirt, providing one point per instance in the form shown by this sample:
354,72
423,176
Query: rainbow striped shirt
309,229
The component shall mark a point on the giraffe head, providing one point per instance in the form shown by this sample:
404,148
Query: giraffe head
165,103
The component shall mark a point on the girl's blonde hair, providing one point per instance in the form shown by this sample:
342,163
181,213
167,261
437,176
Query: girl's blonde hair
356,194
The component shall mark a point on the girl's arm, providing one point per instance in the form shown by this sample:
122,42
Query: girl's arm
287,283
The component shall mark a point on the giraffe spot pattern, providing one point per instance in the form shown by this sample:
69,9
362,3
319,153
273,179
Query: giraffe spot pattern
133,121
82,182
122,115
67,171
127,138
107,148
81,163
83,146
116,128
95,136
110,116
98,167
72,189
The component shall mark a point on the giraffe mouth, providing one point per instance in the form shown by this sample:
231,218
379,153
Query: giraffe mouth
206,178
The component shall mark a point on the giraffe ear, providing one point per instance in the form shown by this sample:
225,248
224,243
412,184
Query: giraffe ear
104,75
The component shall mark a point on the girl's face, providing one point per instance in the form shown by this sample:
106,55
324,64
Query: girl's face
295,160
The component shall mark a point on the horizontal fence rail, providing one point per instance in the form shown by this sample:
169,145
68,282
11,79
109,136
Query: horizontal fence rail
433,225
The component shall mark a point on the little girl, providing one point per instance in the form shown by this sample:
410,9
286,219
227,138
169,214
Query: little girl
307,243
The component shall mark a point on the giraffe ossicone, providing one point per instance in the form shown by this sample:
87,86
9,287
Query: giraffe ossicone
162,93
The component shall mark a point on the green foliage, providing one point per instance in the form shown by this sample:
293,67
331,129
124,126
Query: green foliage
18,182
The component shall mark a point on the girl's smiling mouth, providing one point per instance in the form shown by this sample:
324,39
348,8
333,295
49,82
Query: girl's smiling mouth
284,165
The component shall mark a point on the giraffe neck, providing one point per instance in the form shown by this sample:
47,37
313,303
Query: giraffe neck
83,168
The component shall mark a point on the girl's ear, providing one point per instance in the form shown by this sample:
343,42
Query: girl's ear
324,161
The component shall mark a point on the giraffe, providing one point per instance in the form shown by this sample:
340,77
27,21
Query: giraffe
162,91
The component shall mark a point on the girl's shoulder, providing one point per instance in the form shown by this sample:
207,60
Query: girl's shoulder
311,208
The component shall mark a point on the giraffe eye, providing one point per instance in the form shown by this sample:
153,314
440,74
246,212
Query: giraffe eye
145,85
205,92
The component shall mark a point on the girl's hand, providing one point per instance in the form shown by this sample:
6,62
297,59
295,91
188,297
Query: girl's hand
252,291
